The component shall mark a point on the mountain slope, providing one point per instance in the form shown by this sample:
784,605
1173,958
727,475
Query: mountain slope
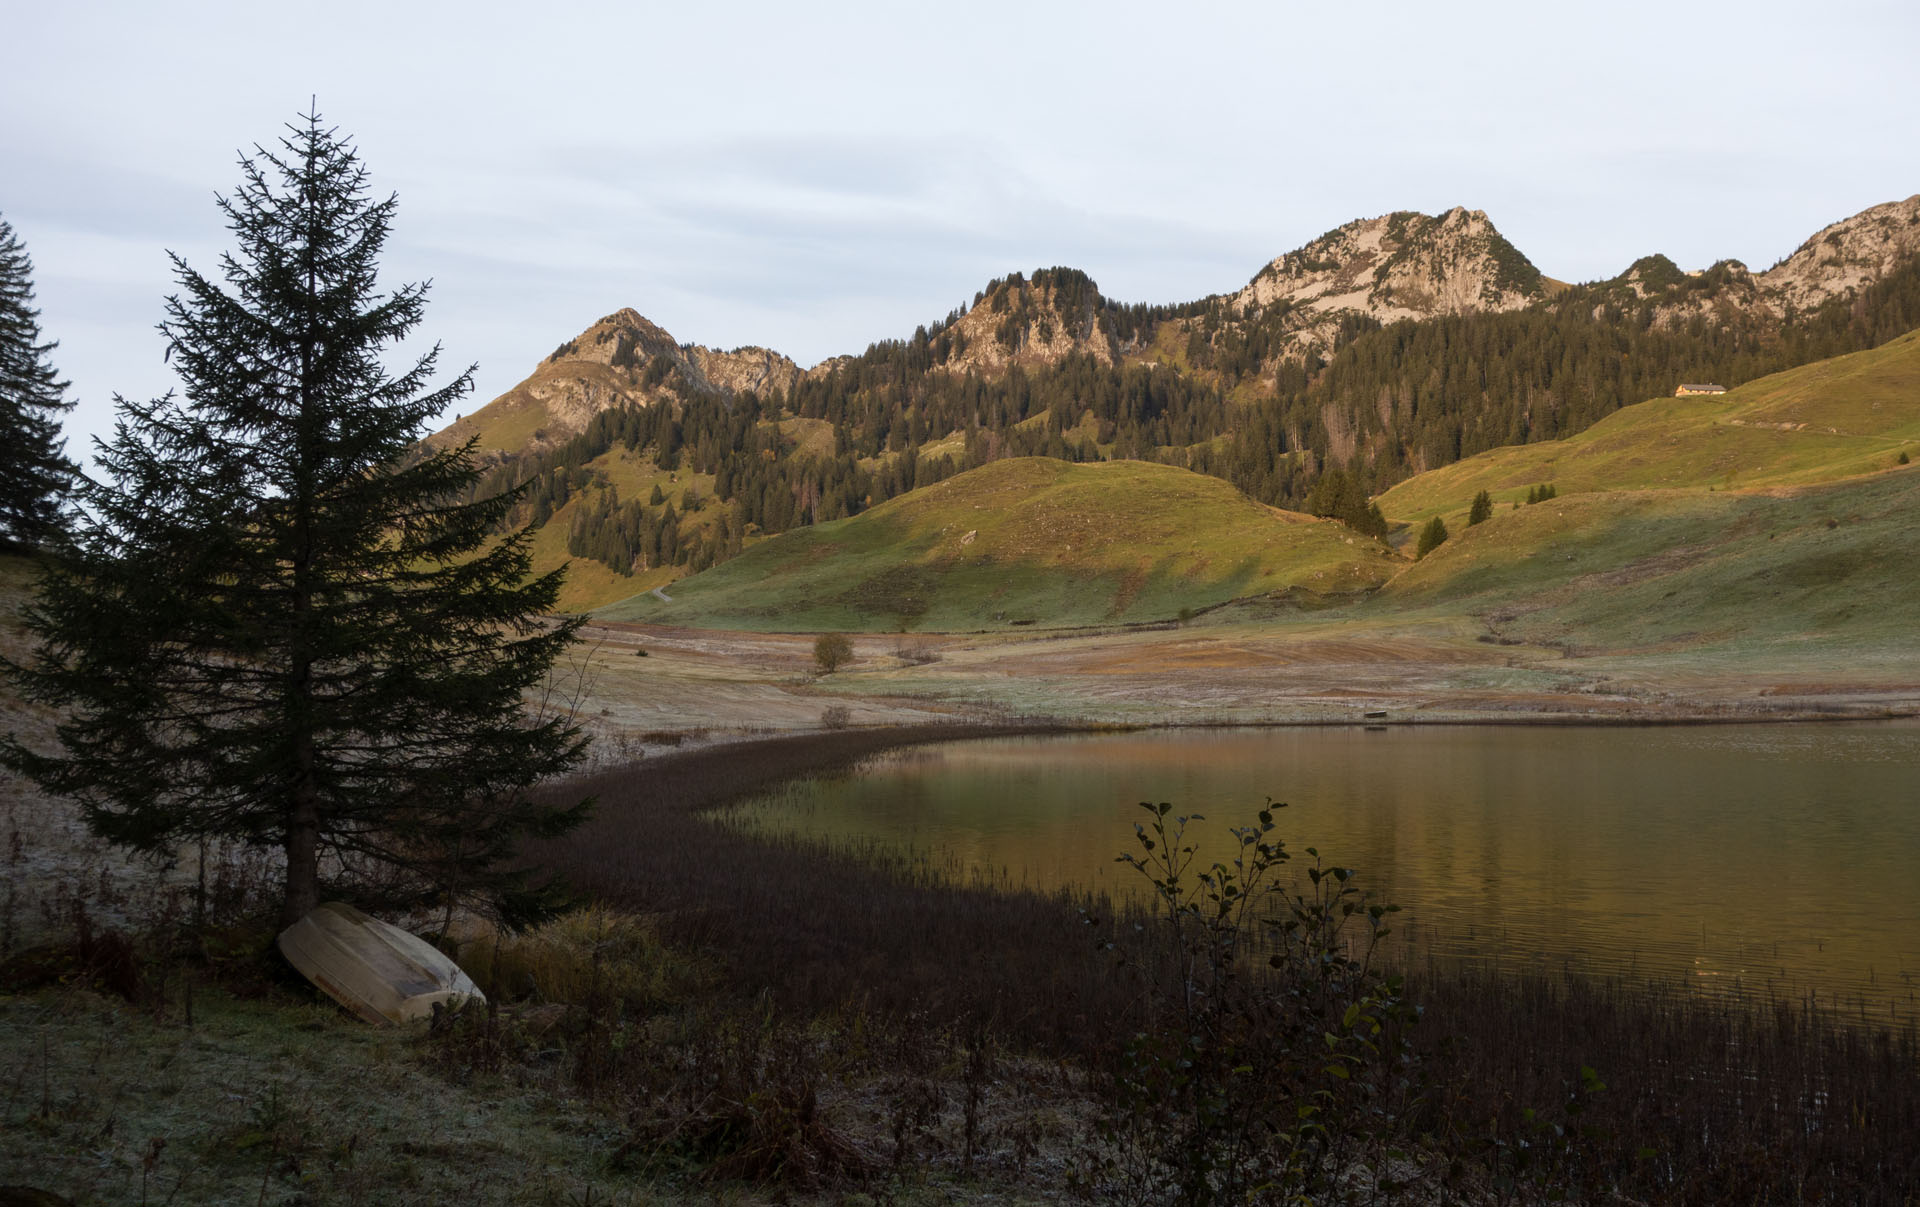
1849,415
1025,541
1809,576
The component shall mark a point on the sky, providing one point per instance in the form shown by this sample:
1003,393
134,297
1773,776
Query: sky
813,178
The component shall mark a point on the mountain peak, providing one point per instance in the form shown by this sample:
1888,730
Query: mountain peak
622,359
1037,320
1401,265
1847,255
623,339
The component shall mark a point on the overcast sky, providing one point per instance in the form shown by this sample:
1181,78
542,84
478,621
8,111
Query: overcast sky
814,177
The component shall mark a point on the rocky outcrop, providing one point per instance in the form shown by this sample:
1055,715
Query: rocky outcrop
624,359
1842,258
1032,322
749,369
1401,266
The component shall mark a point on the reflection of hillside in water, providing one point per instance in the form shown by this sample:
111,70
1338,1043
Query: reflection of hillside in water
1754,858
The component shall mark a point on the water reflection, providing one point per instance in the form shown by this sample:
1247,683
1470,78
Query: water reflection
1752,859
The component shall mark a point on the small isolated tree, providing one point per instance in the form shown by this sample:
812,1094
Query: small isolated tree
1432,537
281,623
831,651
34,472
1482,509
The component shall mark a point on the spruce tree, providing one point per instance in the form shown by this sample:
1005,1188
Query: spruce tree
1482,509
34,472
282,623
1432,537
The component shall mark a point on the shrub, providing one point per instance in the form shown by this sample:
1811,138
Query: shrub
916,655
1254,1082
831,651
1432,537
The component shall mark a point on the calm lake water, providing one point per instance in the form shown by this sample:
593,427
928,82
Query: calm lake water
1774,859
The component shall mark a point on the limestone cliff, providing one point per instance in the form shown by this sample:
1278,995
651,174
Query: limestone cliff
1401,266
1841,258
1032,322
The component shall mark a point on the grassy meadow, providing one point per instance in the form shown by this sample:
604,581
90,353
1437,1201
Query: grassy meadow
1647,571
1028,541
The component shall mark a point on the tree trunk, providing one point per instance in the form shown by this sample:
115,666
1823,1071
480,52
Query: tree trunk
303,858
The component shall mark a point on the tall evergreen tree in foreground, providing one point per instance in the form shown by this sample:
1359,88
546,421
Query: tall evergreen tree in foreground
279,625
34,472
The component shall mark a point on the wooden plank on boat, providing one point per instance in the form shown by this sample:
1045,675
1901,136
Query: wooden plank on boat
378,971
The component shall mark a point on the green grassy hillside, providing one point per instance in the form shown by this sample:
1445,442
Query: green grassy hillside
1827,568
1818,423
1026,541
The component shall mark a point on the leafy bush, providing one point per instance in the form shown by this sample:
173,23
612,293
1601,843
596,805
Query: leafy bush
831,651
1252,1081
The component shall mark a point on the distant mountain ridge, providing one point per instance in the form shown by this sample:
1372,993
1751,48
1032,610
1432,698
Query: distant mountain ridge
1298,308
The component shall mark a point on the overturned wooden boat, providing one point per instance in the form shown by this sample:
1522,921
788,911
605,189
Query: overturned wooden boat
378,971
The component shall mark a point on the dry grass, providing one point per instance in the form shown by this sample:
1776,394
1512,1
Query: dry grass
588,951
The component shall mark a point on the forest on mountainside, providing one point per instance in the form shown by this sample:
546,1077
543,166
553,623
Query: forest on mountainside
1323,432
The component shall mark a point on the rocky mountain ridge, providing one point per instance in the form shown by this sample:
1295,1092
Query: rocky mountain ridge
623,359
1396,267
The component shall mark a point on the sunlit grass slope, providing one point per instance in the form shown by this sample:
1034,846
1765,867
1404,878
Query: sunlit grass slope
590,584
1818,423
1028,541
1828,567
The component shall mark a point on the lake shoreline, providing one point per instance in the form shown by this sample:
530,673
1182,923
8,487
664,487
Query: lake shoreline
809,752
734,685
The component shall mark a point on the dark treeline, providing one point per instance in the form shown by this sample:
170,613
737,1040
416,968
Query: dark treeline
1322,433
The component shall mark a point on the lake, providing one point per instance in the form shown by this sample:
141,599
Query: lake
1752,859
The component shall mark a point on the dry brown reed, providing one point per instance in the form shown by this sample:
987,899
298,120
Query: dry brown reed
820,931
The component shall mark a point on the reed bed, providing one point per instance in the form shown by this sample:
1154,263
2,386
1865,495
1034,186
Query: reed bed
839,929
